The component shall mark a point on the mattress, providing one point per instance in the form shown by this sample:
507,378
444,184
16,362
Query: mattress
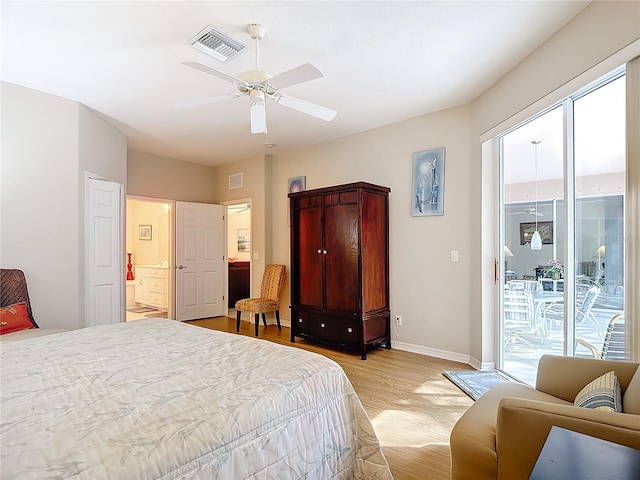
158,399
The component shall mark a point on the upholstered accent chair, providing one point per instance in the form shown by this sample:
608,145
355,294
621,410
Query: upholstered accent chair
269,299
501,435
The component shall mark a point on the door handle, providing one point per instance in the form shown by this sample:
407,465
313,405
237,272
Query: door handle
181,267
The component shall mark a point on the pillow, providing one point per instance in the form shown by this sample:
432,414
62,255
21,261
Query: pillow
14,318
603,393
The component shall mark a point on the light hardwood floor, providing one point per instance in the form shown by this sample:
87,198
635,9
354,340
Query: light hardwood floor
411,404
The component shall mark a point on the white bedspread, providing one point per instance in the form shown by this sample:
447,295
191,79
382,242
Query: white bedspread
157,399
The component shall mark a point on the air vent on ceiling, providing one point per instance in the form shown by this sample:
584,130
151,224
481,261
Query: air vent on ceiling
217,44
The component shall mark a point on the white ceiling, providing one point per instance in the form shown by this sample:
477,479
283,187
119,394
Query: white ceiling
382,62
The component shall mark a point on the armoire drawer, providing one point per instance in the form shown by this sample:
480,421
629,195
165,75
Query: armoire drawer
318,326
351,330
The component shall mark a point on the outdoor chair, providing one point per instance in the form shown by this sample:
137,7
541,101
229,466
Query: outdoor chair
583,312
615,345
269,299
518,317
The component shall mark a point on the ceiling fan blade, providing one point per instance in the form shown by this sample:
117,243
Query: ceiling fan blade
258,117
297,75
214,72
205,101
303,106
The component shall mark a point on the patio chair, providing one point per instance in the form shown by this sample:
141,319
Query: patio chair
583,312
518,317
615,345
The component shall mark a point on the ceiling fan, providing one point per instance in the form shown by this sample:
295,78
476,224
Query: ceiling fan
258,85
239,208
528,211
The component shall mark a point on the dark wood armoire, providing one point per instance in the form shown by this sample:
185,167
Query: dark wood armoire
340,266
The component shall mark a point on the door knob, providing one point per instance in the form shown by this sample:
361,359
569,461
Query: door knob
181,267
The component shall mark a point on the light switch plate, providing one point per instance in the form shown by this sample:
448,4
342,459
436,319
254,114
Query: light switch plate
454,255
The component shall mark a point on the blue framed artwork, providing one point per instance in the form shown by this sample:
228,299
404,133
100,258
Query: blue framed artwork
428,183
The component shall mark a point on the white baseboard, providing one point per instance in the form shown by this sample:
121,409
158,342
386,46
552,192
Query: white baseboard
432,352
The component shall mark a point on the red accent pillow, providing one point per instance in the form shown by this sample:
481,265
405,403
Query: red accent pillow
14,318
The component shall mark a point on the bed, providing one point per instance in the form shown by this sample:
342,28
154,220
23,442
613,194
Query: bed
158,399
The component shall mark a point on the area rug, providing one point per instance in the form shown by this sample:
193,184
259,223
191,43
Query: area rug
476,382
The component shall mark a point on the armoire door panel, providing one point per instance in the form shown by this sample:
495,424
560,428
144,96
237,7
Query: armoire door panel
310,257
374,260
341,259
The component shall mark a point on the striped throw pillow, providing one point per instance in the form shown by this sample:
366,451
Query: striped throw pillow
602,394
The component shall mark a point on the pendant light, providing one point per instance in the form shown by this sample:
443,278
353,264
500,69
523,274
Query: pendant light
536,240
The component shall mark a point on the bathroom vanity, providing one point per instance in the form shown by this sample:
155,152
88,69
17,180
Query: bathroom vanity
151,286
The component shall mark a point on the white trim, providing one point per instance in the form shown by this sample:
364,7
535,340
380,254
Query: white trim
433,352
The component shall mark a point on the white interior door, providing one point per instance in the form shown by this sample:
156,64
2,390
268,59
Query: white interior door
199,260
104,264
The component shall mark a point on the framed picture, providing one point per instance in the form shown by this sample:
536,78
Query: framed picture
244,239
145,232
427,192
544,228
297,184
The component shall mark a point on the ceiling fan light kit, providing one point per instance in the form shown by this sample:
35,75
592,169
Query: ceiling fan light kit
258,85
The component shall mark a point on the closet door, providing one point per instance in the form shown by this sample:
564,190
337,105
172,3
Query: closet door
310,256
341,259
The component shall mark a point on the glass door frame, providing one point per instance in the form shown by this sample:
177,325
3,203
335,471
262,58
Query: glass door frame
568,157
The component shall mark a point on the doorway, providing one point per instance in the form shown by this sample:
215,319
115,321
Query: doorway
562,230
238,252
149,246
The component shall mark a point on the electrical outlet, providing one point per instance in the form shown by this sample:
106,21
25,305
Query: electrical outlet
399,320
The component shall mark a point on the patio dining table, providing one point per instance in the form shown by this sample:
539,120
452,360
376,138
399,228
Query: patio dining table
542,300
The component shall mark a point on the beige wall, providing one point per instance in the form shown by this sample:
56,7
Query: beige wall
153,176
427,289
48,143
256,186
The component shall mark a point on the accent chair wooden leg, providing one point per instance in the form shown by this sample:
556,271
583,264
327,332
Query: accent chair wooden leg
257,323
264,319
278,319
238,314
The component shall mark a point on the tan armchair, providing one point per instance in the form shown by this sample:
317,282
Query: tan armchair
502,433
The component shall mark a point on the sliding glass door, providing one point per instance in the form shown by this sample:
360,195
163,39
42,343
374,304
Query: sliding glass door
562,231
